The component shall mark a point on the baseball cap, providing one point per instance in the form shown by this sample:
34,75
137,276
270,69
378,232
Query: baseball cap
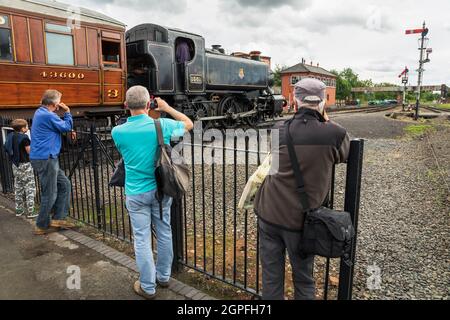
310,90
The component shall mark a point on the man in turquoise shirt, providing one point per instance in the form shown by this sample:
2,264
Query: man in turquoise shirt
137,142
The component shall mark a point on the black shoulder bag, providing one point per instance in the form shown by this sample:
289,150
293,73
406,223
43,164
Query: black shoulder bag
118,177
326,232
171,173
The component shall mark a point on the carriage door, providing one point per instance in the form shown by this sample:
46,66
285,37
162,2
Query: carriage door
113,67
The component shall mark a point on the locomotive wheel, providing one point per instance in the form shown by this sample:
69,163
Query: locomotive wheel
229,107
253,120
200,108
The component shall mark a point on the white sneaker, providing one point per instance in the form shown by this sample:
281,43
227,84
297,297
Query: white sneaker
19,214
32,216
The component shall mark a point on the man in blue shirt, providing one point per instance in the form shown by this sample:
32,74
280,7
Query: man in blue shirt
137,142
46,132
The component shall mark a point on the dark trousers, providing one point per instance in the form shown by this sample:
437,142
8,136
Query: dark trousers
55,191
273,244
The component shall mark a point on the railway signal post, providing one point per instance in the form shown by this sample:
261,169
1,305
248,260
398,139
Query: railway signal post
423,42
404,76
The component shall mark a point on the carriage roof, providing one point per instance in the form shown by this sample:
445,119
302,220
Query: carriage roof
58,9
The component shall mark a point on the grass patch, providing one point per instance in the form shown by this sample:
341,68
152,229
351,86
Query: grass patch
443,106
418,130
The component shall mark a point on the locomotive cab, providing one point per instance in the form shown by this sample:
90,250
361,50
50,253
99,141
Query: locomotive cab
169,62
184,54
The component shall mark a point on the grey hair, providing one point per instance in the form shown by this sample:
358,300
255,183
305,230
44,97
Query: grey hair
137,97
315,106
50,97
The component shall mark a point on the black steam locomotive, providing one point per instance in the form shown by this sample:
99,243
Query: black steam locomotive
205,84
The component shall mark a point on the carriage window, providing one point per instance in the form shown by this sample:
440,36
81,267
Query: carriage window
57,28
59,49
111,54
59,42
5,39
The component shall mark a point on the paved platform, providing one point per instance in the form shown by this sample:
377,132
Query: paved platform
38,267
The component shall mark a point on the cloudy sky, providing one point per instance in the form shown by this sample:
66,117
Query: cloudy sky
366,35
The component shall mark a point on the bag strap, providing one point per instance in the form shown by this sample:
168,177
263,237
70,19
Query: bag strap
159,132
296,167
160,137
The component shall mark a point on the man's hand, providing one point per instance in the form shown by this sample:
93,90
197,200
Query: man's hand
325,116
163,106
64,107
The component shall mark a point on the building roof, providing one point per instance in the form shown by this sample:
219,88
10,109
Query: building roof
301,67
61,10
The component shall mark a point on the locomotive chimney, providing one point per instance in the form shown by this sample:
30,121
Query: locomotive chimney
218,47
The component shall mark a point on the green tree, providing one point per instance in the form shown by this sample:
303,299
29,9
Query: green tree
366,83
427,96
277,74
410,97
351,77
343,88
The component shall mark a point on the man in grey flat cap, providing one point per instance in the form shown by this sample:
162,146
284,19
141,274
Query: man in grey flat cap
318,144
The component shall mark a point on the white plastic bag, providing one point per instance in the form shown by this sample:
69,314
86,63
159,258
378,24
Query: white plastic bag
254,183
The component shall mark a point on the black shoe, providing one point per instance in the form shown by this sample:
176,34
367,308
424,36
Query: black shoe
162,284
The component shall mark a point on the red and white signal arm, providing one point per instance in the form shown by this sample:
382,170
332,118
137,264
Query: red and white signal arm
404,72
413,31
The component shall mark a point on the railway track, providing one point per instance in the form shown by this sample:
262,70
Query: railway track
363,110
435,110
339,114
270,123
381,109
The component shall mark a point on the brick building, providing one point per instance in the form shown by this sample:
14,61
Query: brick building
290,76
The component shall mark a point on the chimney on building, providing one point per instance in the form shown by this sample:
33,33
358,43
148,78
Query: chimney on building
317,64
311,63
255,55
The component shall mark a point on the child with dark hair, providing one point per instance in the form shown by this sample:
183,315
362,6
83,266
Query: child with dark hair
17,146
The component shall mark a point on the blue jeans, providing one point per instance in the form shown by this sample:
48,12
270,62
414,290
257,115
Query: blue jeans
144,210
55,191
